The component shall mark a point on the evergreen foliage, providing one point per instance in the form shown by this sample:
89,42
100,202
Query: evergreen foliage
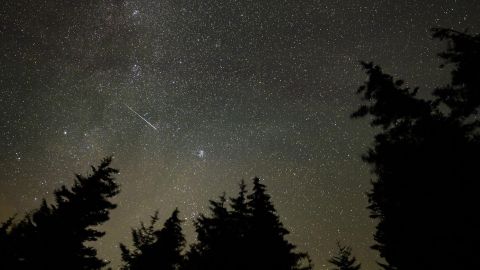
156,248
250,235
344,259
56,236
425,158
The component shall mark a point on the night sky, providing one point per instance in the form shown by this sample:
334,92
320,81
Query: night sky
192,96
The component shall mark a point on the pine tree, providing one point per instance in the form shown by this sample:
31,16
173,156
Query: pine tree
344,259
170,242
239,220
239,203
268,247
214,237
156,249
425,161
143,239
7,254
55,236
247,236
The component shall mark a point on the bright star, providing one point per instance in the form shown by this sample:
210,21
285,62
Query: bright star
201,153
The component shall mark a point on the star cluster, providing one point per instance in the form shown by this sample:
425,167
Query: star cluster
192,96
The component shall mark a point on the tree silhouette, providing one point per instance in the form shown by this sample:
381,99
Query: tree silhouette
143,239
55,236
344,259
7,254
269,247
240,224
247,236
462,95
214,235
239,203
425,161
156,249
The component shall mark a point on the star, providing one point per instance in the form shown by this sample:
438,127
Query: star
200,153
270,86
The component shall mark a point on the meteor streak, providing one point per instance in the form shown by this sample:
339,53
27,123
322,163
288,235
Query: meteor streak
146,121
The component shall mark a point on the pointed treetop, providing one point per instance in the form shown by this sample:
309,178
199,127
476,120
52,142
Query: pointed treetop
239,204
344,259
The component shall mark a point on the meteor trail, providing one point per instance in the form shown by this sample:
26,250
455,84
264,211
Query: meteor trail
140,116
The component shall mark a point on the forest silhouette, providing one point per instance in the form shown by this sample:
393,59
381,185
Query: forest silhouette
425,158
424,195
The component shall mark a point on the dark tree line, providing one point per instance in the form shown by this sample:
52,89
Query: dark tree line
156,248
246,235
243,233
426,162
54,235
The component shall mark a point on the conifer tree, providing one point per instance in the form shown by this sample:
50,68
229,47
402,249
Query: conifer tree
269,248
143,238
7,254
240,230
344,259
249,235
214,237
56,236
156,248
239,203
425,158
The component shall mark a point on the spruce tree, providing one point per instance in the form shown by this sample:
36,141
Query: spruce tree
344,259
56,236
425,158
214,237
268,247
239,203
248,235
156,248
143,238
240,229
7,254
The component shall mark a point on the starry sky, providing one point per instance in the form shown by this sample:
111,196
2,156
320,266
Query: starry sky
191,96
